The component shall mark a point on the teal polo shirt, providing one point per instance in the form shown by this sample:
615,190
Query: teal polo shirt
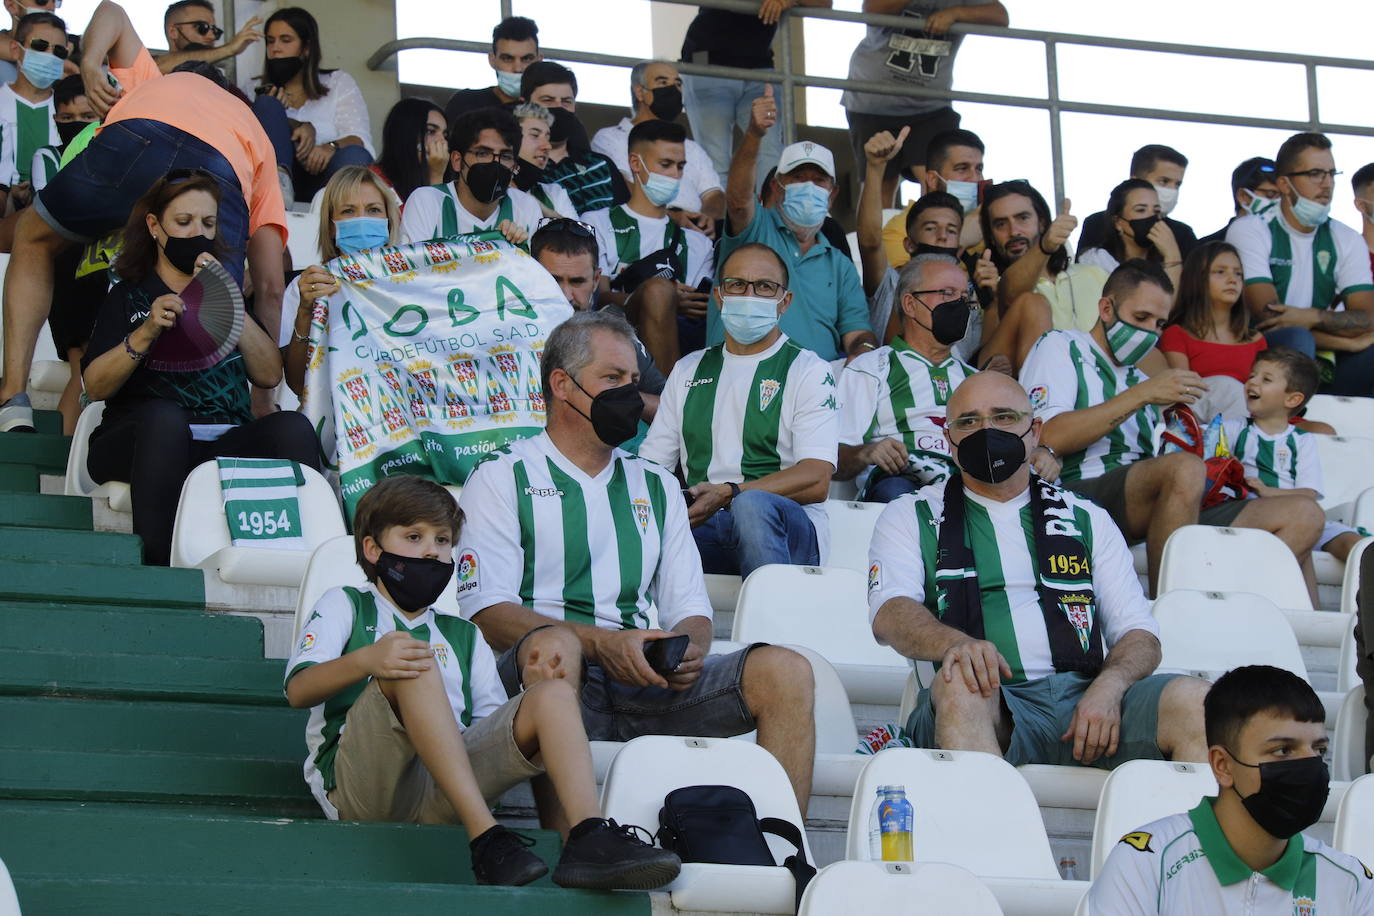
827,297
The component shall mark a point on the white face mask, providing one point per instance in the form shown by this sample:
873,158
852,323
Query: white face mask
1168,199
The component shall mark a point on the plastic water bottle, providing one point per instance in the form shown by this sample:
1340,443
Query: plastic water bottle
890,826
1068,869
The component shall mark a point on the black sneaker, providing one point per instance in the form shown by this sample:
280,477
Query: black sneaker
603,855
502,856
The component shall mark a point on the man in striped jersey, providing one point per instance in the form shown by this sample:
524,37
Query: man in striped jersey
1024,595
753,424
575,545
1100,411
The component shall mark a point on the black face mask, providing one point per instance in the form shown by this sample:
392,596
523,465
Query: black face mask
949,321
667,103
991,455
182,253
414,583
488,181
926,248
1140,230
68,130
1291,795
280,70
528,176
615,412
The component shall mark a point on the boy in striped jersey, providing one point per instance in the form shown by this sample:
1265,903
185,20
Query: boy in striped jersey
409,721
581,544
1024,595
1100,409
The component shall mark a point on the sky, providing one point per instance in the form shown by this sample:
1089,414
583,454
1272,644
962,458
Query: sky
1097,148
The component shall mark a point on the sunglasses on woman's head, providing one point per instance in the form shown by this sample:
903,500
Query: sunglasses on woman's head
42,45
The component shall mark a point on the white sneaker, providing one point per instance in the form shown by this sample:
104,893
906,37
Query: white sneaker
16,415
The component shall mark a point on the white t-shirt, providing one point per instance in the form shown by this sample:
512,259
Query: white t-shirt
781,400
905,543
1098,257
1254,237
699,177
335,628
1067,370
433,212
559,201
654,233
340,113
600,550
1182,865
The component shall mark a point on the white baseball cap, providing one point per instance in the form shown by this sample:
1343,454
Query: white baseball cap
804,152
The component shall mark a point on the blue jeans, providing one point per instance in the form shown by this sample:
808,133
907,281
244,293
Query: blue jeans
97,190
1354,371
759,528
715,107
272,116
889,488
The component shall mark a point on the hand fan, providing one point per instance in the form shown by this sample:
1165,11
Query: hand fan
208,330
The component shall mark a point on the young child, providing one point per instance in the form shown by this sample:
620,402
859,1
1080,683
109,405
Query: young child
409,721
1279,457
1243,850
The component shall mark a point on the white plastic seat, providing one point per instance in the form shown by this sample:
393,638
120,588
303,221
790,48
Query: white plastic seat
843,490
1208,633
1215,559
1345,467
648,768
1141,791
897,887
334,563
1350,577
1354,828
722,591
79,482
1349,416
1348,759
303,238
824,609
9,900
201,538
1346,677
851,530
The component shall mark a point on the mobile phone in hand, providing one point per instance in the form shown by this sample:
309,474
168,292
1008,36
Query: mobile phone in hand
664,655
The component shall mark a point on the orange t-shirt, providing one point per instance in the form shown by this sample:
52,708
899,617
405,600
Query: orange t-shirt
183,101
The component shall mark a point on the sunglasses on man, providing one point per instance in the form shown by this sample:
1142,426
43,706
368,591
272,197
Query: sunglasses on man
203,28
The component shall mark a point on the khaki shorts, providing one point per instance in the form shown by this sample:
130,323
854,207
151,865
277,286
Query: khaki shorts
379,777
1109,492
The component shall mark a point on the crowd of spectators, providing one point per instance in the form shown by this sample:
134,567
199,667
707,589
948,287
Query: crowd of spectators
996,385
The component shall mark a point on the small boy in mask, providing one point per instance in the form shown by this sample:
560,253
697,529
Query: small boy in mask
1242,851
409,721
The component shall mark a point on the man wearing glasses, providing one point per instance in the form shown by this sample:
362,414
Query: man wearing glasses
191,33
482,154
752,424
1301,265
1024,595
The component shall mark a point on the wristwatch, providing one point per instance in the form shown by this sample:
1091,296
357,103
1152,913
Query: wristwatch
734,491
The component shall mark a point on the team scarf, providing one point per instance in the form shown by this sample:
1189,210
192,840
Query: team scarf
1323,263
1064,577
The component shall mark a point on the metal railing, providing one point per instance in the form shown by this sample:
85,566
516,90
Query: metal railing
1052,102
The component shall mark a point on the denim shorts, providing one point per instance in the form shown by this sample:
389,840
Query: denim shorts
713,707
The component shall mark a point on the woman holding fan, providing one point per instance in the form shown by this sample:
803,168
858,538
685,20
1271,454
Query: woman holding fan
159,423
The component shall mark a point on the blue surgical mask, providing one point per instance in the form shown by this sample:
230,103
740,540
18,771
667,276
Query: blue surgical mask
805,204
660,189
41,68
360,233
748,319
966,192
1310,213
509,83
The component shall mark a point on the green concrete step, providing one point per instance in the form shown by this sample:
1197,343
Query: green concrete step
47,421
35,510
46,450
71,582
141,677
99,630
19,478
53,545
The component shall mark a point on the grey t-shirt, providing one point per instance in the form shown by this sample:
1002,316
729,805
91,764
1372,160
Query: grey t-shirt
905,56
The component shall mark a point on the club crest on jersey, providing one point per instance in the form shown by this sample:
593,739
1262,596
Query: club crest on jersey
1282,457
1323,264
768,389
441,654
1079,610
1304,906
1139,841
641,508
941,387
467,571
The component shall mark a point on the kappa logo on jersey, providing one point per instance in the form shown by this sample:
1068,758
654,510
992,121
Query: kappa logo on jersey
1304,906
641,507
467,571
1038,396
1139,841
875,576
543,491
1079,610
441,653
694,382
768,389
307,641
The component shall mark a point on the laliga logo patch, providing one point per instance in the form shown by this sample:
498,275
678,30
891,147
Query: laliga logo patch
307,641
467,571
1038,396
875,576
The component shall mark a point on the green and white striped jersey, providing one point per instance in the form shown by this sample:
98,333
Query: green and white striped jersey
594,550
435,212
1183,865
1288,460
345,620
1308,269
638,236
903,552
28,127
727,417
895,392
1067,370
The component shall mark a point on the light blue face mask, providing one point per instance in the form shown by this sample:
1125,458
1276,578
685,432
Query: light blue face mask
748,319
966,192
509,83
1310,213
660,189
805,204
41,68
361,233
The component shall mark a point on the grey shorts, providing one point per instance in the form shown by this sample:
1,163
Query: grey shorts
1041,711
713,707
1109,492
